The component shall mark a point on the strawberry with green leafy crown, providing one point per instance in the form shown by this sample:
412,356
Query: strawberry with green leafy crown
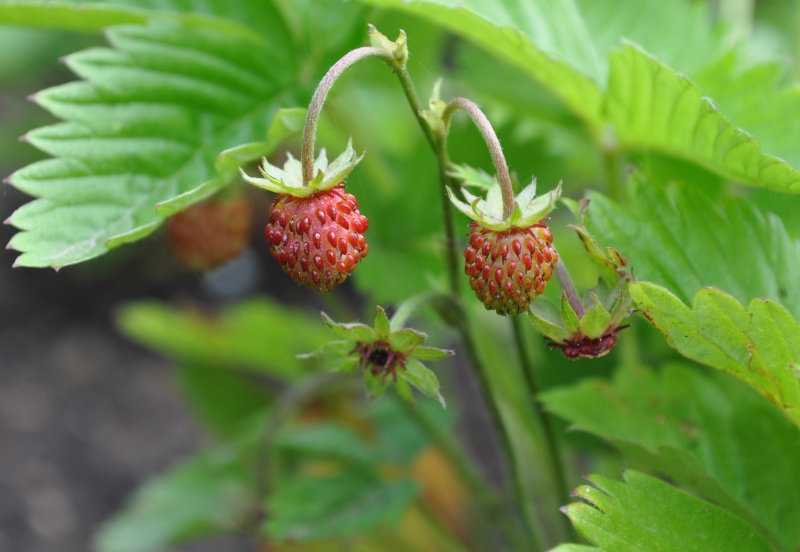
315,231
509,260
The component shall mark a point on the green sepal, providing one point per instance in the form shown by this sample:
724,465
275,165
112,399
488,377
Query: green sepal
333,350
546,317
382,326
568,315
353,332
436,107
595,321
528,210
375,386
405,340
470,176
404,391
397,49
430,353
289,179
423,379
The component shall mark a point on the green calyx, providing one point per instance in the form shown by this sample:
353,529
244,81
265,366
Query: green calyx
386,357
289,179
488,212
397,49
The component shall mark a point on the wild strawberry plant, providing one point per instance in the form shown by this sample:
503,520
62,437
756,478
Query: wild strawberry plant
661,135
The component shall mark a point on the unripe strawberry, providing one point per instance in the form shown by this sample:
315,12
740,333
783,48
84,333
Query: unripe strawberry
509,260
509,269
208,234
318,240
315,230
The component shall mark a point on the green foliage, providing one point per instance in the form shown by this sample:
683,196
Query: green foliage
699,432
680,238
645,513
760,345
210,494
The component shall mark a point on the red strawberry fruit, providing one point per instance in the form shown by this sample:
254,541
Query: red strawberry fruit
318,240
509,260
315,230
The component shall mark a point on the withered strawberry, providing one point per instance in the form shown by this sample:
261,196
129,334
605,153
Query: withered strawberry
315,229
318,240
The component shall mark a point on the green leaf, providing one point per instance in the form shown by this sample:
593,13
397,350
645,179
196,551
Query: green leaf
645,513
547,41
760,345
68,15
422,379
144,126
209,494
222,399
258,334
701,432
327,440
342,505
654,108
681,239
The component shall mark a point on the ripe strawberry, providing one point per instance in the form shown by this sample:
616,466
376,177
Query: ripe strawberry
208,234
315,230
508,260
509,269
318,240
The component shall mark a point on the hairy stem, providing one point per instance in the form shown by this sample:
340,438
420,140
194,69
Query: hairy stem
318,100
568,287
492,142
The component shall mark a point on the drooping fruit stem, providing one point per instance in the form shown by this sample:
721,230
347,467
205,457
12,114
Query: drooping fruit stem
496,151
318,100
568,287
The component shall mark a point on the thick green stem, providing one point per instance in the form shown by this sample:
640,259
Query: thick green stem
492,142
318,100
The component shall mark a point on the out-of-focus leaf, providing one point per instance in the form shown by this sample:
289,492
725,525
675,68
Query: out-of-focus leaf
347,504
327,440
209,494
258,334
713,436
645,513
760,345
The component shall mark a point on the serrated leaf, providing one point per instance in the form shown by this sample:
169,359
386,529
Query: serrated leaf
258,334
211,493
342,505
143,127
326,440
760,345
653,107
681,239
547,41
645,513
69,16
701,432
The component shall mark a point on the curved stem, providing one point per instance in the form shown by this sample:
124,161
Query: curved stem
496,151
318,100
568,287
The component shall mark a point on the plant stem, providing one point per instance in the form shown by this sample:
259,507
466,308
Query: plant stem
492,142
552,448
536,541
568,287
439,146
318,100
